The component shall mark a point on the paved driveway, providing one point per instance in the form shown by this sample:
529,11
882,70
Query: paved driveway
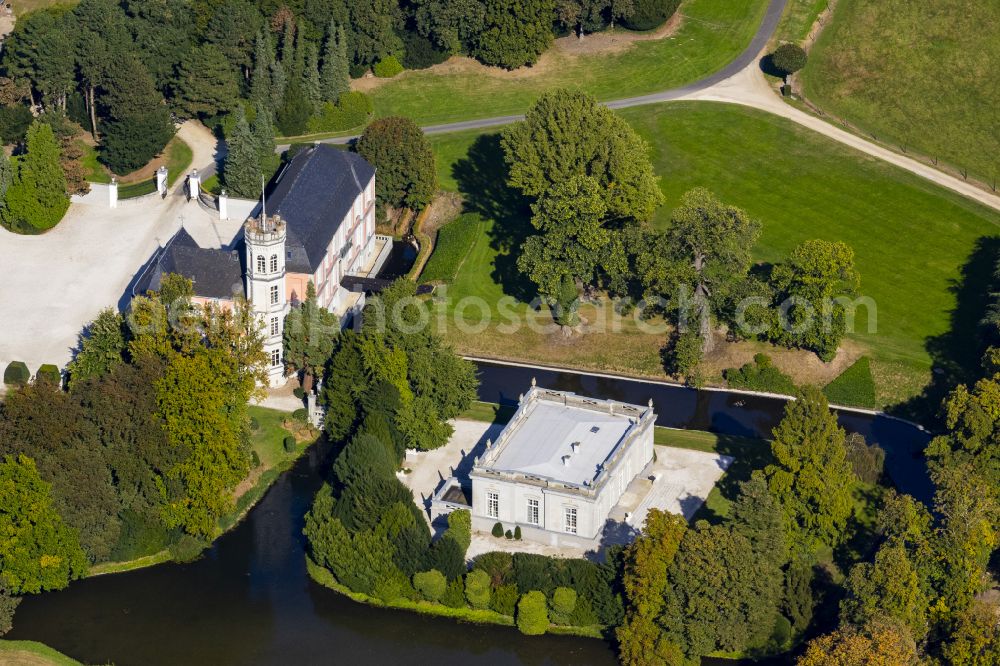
56,283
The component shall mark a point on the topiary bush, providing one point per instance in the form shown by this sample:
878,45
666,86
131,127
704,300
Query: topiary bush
298,392
387,67
16,374
649,14
504,600
454,595
509,535
477,588
497,530
532,614
517,532
301,415
351,110
430,584
460,527
563,604
789,58
289,443
49,373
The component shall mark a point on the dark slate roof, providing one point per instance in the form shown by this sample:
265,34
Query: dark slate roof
215,273
312,195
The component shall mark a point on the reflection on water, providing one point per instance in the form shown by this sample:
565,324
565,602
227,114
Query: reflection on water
249,600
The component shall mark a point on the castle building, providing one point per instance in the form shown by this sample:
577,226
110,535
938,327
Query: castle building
316,225
560,466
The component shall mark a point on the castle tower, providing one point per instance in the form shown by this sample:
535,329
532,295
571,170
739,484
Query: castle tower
265,283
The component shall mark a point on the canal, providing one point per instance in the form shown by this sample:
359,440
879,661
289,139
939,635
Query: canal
250,601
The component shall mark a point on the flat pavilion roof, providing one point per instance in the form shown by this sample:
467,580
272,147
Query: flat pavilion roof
539,441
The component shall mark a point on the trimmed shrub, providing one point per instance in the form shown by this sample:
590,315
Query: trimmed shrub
186,549
563,604
16,374
49,373
387,67
289,443
460,527
509,535
497,565
477,588
420,52
761,375
532,614
447,556
301,415
517,532
351,110
789,58
299,393
649,14
497,528
504,600
454,595
430,584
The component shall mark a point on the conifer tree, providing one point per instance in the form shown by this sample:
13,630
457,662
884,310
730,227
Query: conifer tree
335,76
138,124
310,77
242,159
36,199
262,129
261,82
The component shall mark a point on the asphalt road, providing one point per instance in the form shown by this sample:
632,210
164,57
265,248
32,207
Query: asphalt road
757,44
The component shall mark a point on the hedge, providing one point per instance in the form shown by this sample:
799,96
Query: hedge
761,375
16,374
351,110
289,443
855,387
454,241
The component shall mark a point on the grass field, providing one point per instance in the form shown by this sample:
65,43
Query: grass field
454,240
713,33
855,387
928,289
31,653
915,74
798,19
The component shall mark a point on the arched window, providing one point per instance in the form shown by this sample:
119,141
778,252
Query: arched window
261,263
274,263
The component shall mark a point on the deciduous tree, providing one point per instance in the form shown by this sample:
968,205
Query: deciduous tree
566,134
38,551
515,33
404,159
102,347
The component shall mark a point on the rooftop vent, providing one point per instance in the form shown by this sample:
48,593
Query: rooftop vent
595,428
565,460
575,446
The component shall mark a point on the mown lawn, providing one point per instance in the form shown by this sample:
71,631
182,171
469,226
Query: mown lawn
454,241
798,19
915,74
923,253
712,34
32,653
855,387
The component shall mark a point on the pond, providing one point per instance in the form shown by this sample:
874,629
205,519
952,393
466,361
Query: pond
250,601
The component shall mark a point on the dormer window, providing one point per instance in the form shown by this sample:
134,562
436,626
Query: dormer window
261,264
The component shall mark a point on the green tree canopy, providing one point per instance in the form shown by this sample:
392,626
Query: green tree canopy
811,476
407,175
242,169
102,348
205,83
514,33
889,587
567,134
532,614
38,551
334,73
36,198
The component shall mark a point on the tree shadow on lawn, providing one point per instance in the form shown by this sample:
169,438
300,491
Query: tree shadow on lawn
748,455
482,180
956,355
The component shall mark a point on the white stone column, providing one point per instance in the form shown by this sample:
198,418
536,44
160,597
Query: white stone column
113,193
223,206
161,180
194,185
